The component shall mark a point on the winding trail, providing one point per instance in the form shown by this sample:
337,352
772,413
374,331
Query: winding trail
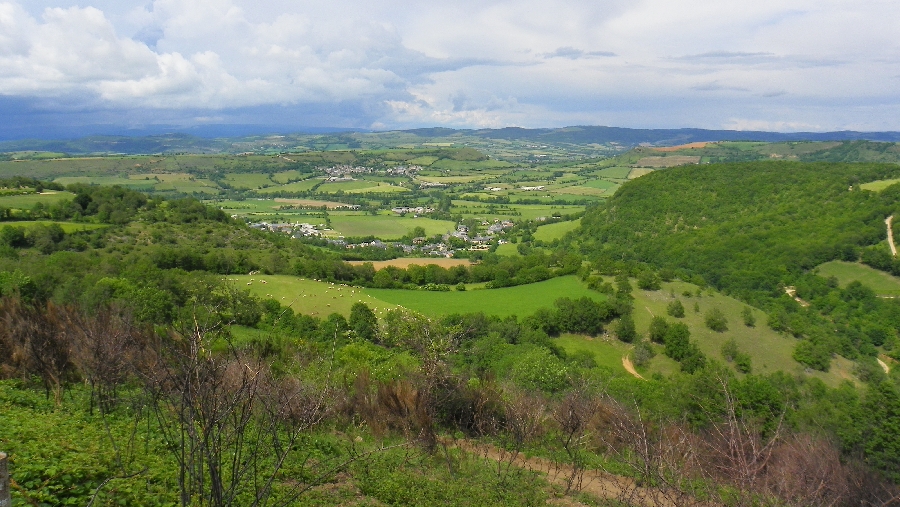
626,363
890,234
883,365
595,482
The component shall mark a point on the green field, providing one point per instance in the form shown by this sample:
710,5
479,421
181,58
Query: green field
27,201
614,172
67,227
288,176
555,231
249,180
601,184
107,180
878,186
882,283
386,226
425,160
297,186
507,249
522,300
607,351
345,186
308,296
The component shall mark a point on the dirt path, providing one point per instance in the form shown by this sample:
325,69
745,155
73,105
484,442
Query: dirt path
792,291
890,232
626,363
883,365
594,482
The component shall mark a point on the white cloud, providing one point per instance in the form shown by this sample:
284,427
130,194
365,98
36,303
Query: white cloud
468,63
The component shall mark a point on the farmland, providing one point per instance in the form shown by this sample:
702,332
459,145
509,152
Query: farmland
521,300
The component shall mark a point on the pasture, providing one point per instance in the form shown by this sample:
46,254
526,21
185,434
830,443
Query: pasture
248,180
555,231
297,186
521,300
67,227
318,299
386,226
879,185
27,201
606,350
882,283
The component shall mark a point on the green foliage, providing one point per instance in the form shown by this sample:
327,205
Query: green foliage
675,309
363,321
748,317
625,329
715,319
643,353
536,368
677,341
648,280
659,326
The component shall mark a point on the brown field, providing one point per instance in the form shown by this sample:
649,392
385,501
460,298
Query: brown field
682,147
421,261
311,203
667,161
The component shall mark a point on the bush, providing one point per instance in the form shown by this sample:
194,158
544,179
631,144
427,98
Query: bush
658,329
648,280
675,309
716,320
643,353
677,341
747,315
625,330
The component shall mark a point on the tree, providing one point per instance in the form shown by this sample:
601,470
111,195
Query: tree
715,320
363,321
625,330
648,280
659,326
675,309
677,341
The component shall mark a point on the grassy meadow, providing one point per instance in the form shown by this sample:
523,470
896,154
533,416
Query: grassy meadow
386,226
521,300
27,201
308,296
882,283
555,231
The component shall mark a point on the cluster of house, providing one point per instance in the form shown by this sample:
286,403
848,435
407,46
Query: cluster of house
439,249
341,172
295,230
416,210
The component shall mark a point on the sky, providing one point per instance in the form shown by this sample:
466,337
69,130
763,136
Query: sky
781,65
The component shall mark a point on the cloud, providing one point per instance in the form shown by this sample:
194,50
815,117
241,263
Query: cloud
574,54
469,63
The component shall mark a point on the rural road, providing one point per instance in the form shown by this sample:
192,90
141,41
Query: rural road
890,232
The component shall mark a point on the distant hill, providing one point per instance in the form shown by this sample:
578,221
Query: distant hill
238,139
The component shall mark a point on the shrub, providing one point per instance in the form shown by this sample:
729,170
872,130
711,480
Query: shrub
747,315
658,329
675,309
648,280
625,330
716,320
643,353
